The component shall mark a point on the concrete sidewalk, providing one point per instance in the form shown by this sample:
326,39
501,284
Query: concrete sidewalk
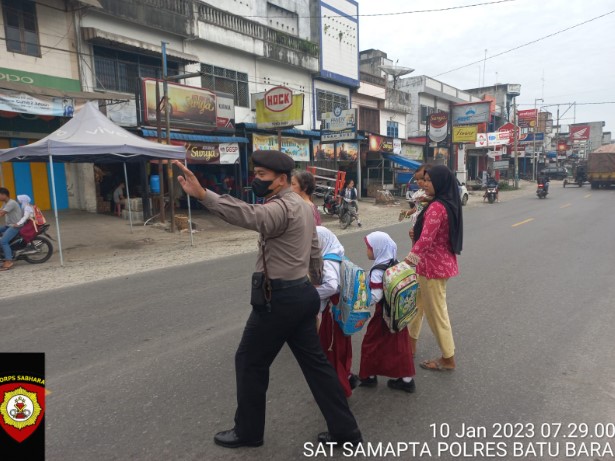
100,246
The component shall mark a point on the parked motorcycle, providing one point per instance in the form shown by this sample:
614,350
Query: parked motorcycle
348,212
541,191
38,251
330,204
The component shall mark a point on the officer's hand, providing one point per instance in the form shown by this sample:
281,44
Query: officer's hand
189,182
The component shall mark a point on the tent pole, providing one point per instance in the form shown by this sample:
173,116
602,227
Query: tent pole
128,197
55,207
189,213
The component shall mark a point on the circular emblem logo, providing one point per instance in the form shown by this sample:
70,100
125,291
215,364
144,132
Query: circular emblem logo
337,111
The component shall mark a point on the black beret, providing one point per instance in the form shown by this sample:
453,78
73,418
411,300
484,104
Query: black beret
273,160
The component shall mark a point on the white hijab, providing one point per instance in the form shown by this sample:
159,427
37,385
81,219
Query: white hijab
384,249
329,244
25,200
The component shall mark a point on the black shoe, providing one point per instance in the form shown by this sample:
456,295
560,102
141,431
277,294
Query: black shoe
354,381
400,385
229,439
359,224
369,382
353,439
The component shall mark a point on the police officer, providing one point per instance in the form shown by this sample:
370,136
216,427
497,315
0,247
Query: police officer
288,252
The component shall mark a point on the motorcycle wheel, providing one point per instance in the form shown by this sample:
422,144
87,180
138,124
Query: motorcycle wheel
491,199
328,211
345,220
44,250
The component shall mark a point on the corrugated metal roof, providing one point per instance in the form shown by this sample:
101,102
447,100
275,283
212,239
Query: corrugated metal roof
194,137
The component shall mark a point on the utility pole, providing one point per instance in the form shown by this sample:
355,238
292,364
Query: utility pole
516,142
535,166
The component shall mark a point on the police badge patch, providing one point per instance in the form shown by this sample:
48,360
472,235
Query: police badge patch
22,404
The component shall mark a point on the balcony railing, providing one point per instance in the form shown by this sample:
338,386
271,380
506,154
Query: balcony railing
169,15
373,79
256,30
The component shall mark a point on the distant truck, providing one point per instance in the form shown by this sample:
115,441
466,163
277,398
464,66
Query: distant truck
601,167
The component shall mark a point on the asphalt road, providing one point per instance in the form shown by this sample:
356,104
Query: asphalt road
142,367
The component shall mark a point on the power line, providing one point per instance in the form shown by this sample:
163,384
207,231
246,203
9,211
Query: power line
394,13
565,103
527,44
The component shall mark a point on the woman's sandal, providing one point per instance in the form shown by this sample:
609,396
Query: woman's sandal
435,365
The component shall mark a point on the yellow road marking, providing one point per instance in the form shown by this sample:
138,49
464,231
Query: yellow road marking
566,205
588,195
523,222
47,392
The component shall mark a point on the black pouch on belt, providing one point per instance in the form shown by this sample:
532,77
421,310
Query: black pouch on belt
257,296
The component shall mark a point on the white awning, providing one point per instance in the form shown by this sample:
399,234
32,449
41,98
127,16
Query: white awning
101,36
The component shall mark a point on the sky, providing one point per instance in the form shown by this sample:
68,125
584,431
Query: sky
577,65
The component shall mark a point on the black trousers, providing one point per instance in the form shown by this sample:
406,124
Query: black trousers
292,320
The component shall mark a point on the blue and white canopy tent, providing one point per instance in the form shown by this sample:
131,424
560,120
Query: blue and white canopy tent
90,136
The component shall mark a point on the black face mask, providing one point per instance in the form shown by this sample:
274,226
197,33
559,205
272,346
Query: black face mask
260,187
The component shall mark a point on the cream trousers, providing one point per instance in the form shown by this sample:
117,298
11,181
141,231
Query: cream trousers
431,302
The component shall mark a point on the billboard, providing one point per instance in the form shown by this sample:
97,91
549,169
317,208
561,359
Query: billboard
213,154
339,125
438,126
323,151
191,107
527,118
298,149
579,133
472,113
23,103
225,112
279,108
380,144
347,151
465,133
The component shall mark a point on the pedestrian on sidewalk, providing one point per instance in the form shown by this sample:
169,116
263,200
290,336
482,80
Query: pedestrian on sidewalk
336,345
383,352
303,183
12,215
118,198
438,236
284,301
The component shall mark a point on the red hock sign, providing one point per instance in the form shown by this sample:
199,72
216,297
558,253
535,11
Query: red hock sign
278,99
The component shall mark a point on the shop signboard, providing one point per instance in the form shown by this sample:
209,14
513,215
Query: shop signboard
225,112
213,153
530,137
23,103
579,133
380,144
191,107
279,108
297,148
507,131
465,133
412,151
501,165
472,113
494,139
38,80
347,151
438,126
339,125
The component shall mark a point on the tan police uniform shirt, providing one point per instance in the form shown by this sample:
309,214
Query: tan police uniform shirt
292,255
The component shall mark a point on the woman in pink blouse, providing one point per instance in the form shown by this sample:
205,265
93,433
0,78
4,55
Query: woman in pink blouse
438,237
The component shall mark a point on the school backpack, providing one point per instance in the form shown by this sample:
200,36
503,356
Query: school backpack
400,290
352,311
39,218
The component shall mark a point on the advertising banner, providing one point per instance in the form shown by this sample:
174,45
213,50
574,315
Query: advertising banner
507,131
467,114
339,125
494,139
412,152
465,133
323,151
279,108
225,112
501,165
23,103
579,133
298,149
527,118
347,151
380,144
191,107
213,154
530,137
438,126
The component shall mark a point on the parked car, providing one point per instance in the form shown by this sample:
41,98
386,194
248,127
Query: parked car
463,191
555,172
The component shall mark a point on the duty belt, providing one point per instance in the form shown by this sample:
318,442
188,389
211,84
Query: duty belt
278,284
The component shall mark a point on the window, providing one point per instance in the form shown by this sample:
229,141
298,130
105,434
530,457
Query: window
20,27
392,129
227,81
327,101
121,71
369,120
426,112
